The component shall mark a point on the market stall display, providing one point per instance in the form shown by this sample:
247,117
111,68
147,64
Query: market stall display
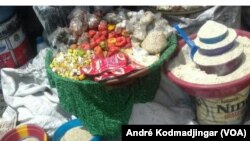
219,89
116,49
114,46
104,63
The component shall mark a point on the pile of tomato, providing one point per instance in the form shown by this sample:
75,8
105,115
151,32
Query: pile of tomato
106,40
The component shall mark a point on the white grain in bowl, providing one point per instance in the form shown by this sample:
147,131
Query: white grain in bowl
184,68
77,134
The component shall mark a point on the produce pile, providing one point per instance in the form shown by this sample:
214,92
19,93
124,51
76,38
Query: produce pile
100,46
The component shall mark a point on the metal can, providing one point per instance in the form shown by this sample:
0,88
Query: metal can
227,110
13,50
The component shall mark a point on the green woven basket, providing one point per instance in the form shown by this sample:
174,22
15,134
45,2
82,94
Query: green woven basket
103,108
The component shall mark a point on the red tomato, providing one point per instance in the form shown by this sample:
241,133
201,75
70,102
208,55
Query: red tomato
85,46
112,35
98,40
92,43
113,49
91,33
98,52
102,26
120,41
102,38
97,35
104,33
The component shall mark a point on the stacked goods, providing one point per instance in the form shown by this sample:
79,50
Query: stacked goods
124,47
218,49
102,49
220,73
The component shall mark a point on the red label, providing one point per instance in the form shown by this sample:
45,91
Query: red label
6,60
20,52
13,50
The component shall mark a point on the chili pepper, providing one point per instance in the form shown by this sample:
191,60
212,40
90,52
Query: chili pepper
120,41
73,46
92,43
102,38
112,35
85,46
104,33
111,27
112,50
111,41
98,52
98,40
102,26
97,35
91,33
103,45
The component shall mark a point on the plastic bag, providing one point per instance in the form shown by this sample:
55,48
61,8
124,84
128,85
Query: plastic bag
228,15
52,17
55,20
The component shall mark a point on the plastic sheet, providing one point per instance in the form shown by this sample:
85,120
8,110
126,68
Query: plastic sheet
191,22
51,17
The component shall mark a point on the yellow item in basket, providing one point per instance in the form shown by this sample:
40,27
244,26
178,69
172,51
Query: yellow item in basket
111,27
